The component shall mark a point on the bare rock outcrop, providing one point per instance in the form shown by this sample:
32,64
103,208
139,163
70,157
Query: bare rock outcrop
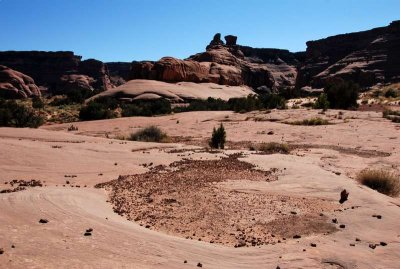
225,64
367,57
119,72
53,69
231,40
14,84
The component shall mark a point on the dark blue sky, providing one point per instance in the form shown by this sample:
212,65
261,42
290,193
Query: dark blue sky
126,30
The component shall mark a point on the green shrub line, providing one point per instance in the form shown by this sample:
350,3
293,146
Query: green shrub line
105,107
13,114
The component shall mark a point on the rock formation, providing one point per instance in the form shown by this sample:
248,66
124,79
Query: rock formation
73,82
367,57
144,89
225,64
53,69
14,84
119,72
230,40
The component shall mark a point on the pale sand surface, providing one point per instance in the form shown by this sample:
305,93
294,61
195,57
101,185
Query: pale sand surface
363,140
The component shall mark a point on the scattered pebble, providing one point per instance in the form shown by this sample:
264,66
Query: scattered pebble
296,236
185,261
313,245
1,251
43,221
342,226
199,265
383,244
87,234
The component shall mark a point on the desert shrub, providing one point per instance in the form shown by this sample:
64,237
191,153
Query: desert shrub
310,122
13,114
381,181
74,96
245,104
391,93
96,111
78,96
322,102
106,101
274,147
270,101
37,102
392,115
72,128
146,108
149,134
218,137
342,94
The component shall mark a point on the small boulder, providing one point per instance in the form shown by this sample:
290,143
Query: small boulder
343,196
43,221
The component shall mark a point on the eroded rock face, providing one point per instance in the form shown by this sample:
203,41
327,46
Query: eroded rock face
228,64
44,67
14,84
69,83
216,41
49,69
367,57
119,72
231,40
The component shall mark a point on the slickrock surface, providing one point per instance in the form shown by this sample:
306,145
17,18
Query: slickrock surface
305,185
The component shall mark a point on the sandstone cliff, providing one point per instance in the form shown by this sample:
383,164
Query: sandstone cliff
51,69
367,57
14,84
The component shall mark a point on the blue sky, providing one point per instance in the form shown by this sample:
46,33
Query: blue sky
126,30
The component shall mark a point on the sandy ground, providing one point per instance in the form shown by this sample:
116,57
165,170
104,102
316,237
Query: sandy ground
324,163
